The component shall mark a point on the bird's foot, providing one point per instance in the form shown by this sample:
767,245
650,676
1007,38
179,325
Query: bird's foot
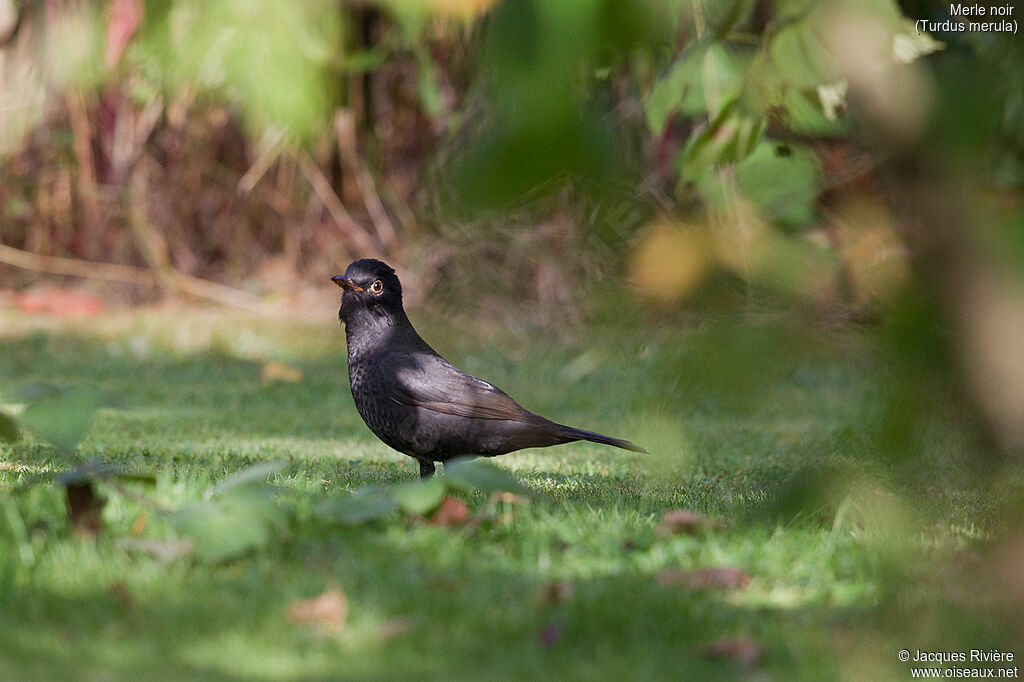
426,468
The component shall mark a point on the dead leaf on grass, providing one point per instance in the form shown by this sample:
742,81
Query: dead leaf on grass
684,522
742,650
280,372
140,523
715,578
557,592
120,593
326,613
451,512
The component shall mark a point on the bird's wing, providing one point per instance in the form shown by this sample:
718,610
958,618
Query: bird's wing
433,384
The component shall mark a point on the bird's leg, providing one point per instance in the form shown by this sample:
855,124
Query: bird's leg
426,468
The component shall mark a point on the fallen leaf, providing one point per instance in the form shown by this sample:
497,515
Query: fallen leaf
60,303
280,372
140,523
742,650
120,593
704,578
326,613
557,592
683,522
451,512
85,507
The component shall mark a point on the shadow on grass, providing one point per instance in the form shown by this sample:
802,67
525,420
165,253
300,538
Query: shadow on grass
459,620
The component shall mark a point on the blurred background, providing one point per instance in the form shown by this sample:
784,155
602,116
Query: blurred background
535,167
785,235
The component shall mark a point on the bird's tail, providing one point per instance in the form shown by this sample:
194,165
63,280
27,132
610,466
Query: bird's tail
579,434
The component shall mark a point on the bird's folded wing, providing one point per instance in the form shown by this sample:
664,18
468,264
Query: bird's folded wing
435,385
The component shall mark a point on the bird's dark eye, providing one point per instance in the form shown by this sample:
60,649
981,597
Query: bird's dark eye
376,287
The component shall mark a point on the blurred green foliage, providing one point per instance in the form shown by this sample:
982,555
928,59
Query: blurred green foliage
539,77
276,61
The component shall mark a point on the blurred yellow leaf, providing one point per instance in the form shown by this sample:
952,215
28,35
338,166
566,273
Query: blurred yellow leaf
280,372
873,252
669,262
685,522
140,523
461,7
326,613
452,512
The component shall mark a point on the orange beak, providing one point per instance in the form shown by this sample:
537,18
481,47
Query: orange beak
344,283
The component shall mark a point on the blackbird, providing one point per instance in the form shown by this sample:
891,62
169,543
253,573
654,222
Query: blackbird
413,399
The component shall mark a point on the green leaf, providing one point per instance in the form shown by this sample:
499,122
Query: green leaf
784,185
469,473
729,137
282,82
805,113
419,497
801,57
64,415
256,473
673,91
230,526
26,393
366,504
8,429
723,16
427,89
361,61
722,73
101,470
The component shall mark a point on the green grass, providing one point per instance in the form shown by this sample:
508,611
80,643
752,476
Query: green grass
852,555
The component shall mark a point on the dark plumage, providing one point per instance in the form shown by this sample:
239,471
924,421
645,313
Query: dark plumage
413,399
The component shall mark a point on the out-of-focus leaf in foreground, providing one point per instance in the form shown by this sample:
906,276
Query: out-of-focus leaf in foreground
238,515
367,504
8,429
60,414
419,497
469,473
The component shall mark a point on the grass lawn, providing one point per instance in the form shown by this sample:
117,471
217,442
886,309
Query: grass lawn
851,556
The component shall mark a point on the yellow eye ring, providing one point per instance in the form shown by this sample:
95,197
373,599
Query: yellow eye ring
376,287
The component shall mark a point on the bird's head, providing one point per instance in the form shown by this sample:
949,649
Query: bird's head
369,286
